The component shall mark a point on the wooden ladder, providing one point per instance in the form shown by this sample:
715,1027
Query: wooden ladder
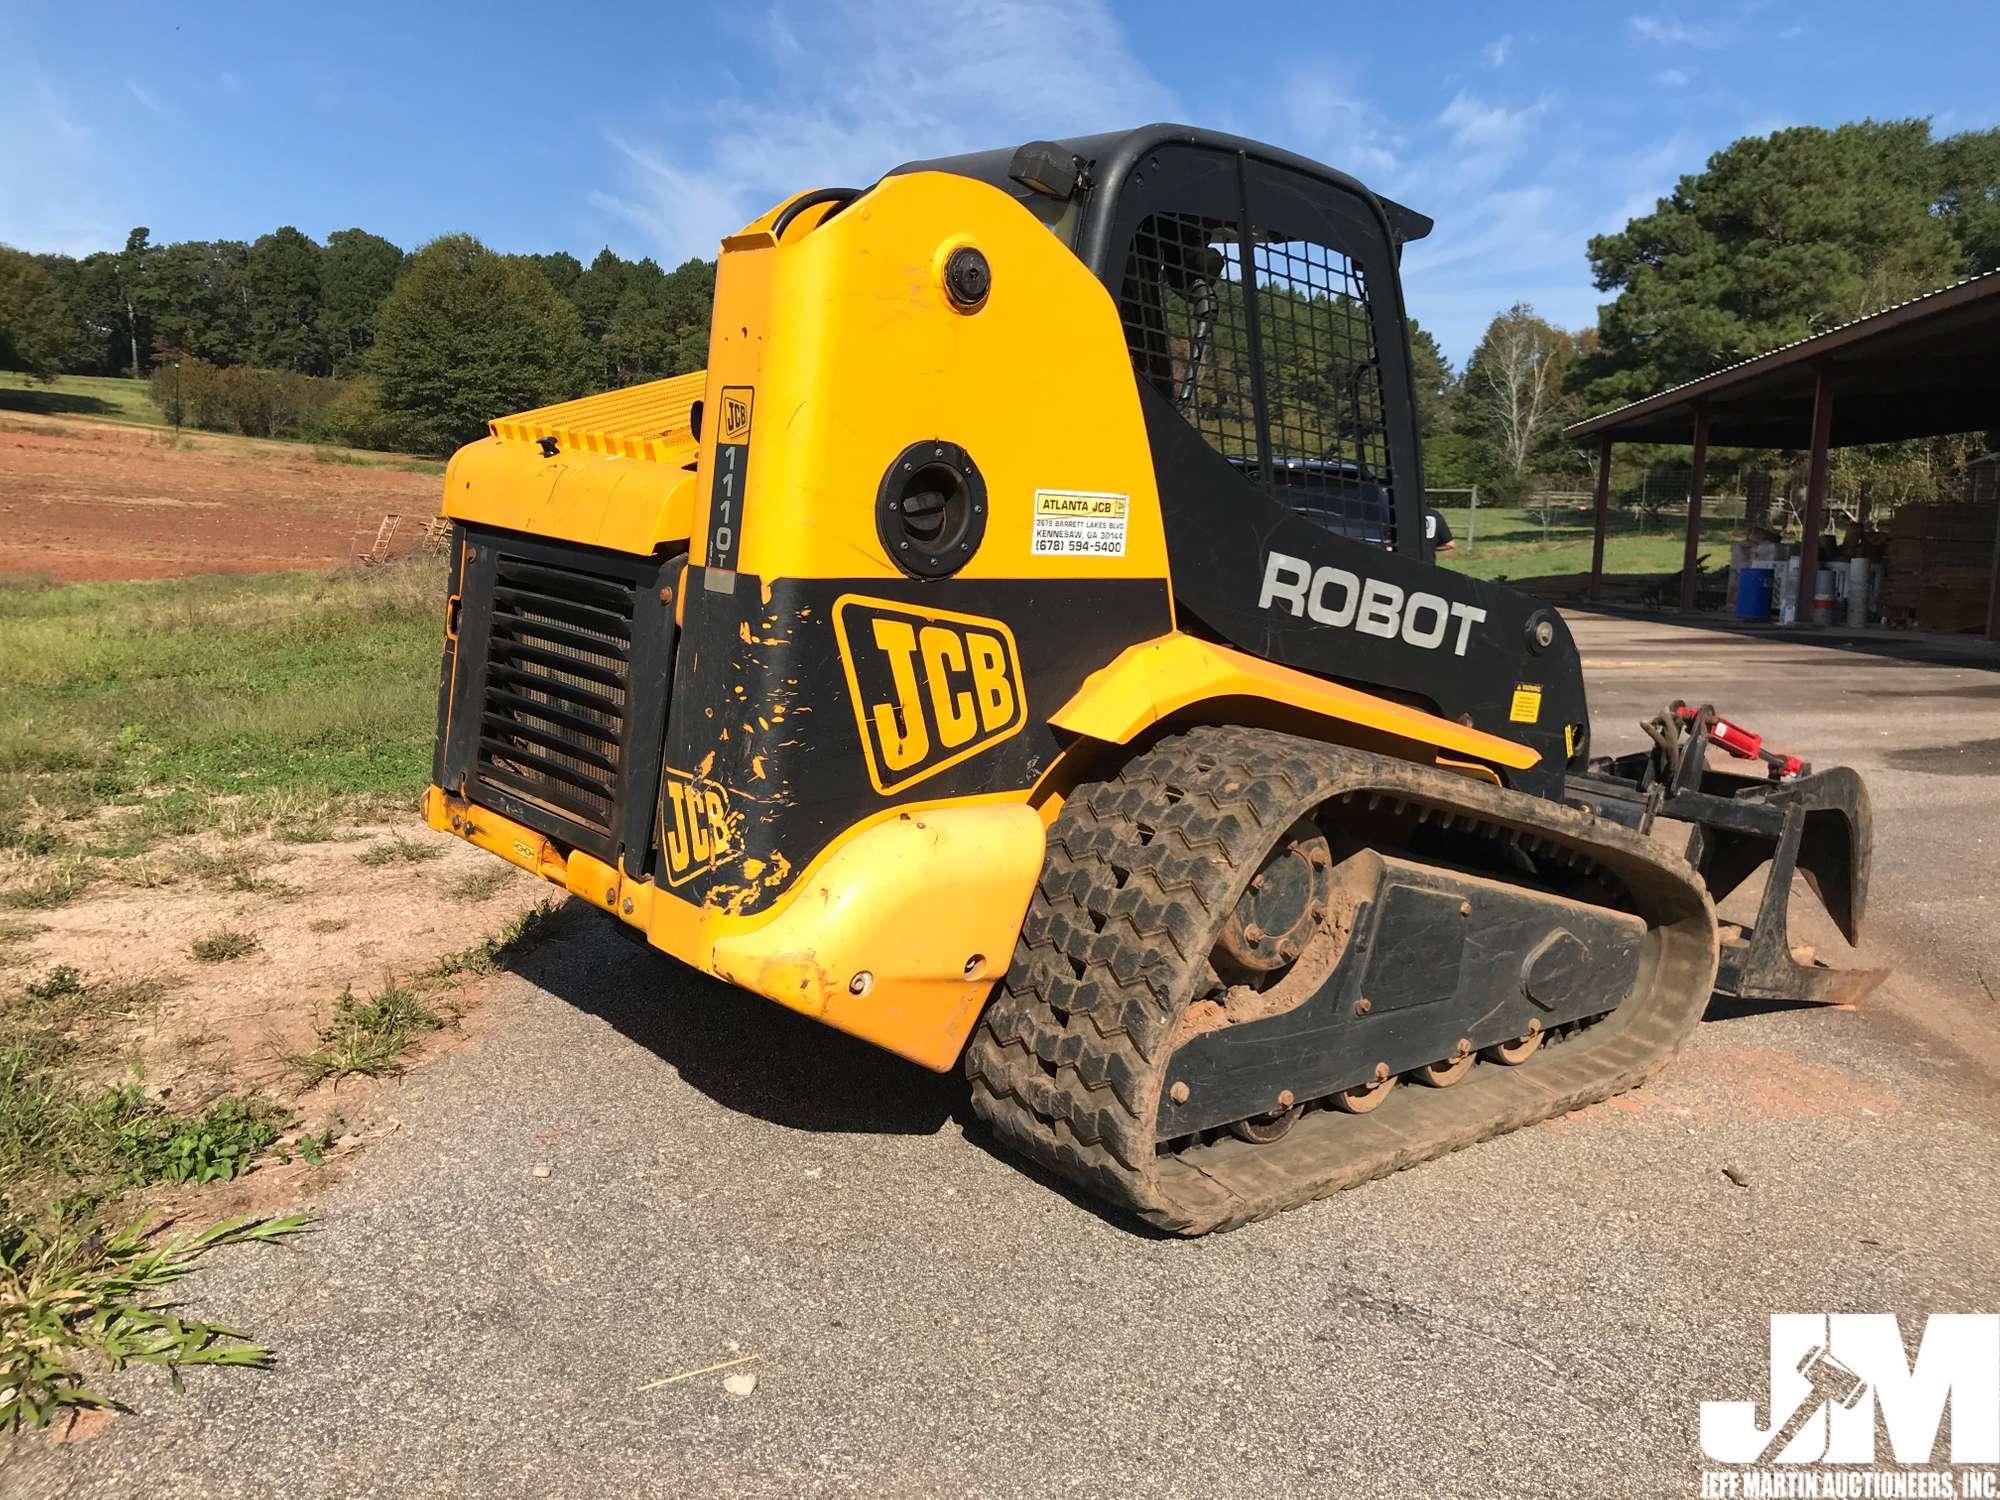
377,551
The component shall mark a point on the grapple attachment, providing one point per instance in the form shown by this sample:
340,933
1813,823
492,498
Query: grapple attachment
1816,824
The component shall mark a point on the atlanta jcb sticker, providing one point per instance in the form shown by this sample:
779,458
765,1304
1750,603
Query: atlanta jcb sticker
930,687
1079,523
697,829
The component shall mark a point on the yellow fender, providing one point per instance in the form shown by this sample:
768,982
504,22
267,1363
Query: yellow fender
1154,680
899,936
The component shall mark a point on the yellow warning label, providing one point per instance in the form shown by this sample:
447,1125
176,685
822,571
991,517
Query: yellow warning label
1527,703
1569,739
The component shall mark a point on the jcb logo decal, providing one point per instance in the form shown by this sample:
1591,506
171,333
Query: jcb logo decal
930,688
736,401
697,829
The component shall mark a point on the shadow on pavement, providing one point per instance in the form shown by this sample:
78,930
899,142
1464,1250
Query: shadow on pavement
752,1055
744,1052
1735,1008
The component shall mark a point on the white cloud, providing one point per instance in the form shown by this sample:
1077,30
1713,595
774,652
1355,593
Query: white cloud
1496,52
1313,115
52,111
1488,128
1670,31
1504,230
848,91
138,92
1506,246
1673,78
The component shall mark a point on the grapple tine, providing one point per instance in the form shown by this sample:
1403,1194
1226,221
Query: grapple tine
1826,836
1837,843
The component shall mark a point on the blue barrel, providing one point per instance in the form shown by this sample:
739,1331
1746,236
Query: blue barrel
1753,593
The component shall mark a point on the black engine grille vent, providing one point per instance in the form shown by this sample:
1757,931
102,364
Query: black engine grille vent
552,726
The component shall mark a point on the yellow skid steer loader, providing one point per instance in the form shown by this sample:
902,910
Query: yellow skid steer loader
1020,649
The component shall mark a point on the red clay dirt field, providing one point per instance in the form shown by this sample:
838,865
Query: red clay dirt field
84,501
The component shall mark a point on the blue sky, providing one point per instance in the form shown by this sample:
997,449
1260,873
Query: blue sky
656,128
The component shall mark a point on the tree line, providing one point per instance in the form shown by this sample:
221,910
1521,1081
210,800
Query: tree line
353,339
1778,237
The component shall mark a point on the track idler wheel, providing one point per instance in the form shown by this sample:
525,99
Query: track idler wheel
1520,1049
1442,1075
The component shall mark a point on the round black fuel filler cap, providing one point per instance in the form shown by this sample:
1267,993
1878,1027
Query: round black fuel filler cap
930,510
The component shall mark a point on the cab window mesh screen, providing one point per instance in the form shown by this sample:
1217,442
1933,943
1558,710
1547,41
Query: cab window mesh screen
1182,303
1322,384
1185,306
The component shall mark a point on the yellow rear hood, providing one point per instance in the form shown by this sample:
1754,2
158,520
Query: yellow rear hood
621,473
649,421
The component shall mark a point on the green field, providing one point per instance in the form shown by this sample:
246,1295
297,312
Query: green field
291,691
106,396
1513,541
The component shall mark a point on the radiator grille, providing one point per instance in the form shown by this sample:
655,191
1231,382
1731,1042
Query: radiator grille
558,673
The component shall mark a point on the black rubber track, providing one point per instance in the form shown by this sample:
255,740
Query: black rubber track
1069,1059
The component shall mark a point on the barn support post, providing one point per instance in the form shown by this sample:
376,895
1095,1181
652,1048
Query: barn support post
1696,480
1603,504
1993,586
1822,432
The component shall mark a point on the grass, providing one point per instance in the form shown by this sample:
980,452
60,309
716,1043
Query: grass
1515,542
399,850
49,1010
282,700
107,396
514,941
87,1144
221,869
222,945
146,729
113,398
366,1037
480,884
43,886
13,937
358,459
72,1285
69,1290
